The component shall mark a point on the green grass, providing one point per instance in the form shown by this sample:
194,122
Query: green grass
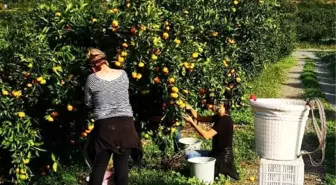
312,90
267,84
321,45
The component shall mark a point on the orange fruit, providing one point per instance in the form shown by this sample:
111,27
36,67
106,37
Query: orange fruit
29,85
54,114
225,63
87,131
238,80
134,30
115,10
157,52
202,91
231,85
84,134
50,119
167,28
124,45
5,93
21,114
195,55
57,14
182,105
39,79
115,24
186,65
121,59
26,74
171,80
235,2
174,89
123,54
232,41
139,76
128,5
134,75
26,161
70,107
43,82
166,23
174,95
157,80
94,20
154,57
141,64
143,28
252,179
23,171
191,66
90,127
16,93
23,177
118,64
214,34
177,41
165,70
165,35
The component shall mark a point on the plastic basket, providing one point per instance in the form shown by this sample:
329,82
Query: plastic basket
273,172
279,127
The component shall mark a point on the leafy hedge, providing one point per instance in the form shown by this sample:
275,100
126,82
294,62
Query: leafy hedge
316,21
199,54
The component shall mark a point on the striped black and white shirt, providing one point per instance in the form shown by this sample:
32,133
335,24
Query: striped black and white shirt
108,98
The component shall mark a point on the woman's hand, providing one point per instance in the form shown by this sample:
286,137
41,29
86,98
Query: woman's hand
188,107
188,118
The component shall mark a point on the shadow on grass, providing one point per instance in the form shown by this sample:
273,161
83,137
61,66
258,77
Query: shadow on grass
330,59
295,85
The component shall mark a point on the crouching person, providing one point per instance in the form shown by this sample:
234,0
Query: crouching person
222,138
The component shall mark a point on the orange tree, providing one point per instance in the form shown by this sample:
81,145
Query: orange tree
175,52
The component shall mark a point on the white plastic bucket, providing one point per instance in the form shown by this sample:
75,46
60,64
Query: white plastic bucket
190,144
279,127
203,168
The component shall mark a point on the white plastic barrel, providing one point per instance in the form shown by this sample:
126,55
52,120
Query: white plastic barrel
190,144
279,127
203,168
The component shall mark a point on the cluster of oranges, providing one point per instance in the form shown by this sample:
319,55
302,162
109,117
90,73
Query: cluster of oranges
22,173
88,129
122,54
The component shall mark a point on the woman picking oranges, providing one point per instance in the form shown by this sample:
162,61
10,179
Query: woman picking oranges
106,92
221,134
